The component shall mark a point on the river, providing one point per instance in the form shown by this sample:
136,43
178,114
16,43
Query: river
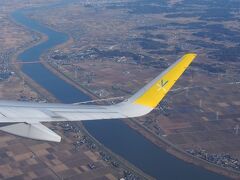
114,134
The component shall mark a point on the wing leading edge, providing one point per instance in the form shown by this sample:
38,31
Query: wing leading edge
29,115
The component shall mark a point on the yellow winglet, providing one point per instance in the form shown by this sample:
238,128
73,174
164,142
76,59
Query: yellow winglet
164,82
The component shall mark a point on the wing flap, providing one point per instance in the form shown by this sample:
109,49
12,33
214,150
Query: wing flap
34,131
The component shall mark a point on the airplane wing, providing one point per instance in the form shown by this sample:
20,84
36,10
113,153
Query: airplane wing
27,117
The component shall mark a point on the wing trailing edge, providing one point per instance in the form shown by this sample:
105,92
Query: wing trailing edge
35,131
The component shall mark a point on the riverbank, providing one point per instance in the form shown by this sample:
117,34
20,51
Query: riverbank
179,153
16,65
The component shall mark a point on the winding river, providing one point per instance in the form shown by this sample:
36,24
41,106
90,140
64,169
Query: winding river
114,134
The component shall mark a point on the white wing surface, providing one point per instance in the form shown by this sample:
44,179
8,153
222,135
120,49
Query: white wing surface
27,117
